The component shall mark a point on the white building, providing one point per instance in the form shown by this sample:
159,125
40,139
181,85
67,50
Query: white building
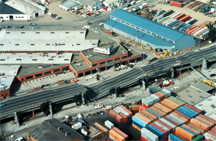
71,5
110,3
90,5
20,10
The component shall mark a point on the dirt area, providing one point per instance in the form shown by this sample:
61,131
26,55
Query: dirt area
199,16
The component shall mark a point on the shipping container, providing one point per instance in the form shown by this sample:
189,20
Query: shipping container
176,3
164,20
136,127
171,129
109,124
209,137
158,110
169,120
163,108
168,123
204,24
190,21
178,100
173,137
173,23
100,127
207,118
152,90
149,114
194,112
196,128
195,31
199,124
192,27
180,104
126,110
167,13
121,133
183,115
141,108
112,138
186,112
77,126
180,16
162,126
189,32
145,119
139,122
174,119
135,107
156,131
187,135
125,118
182,29
169,104
176,15
198,138
185,18
165,24
209,123
145,133
115,135
160,95
165,133
116,116
201,31
204,35
156,98
158,115
189,131
117,110
212,133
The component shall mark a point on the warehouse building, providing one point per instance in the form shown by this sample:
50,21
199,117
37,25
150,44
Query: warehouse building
149,33
17,41
8,79
71,5
20,10
53,129
90,5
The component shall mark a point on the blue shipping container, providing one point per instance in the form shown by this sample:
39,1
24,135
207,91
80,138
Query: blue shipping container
190,111
80,120
174,137
139,121
182,110
161,134
152,91
137,124
189,131
196,113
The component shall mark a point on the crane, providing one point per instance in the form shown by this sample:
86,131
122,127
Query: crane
165,53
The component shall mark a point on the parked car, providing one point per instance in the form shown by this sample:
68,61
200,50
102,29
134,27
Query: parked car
86,26
2,105
98,106
212,75
20,27
58,18
33,24
107,107
19,139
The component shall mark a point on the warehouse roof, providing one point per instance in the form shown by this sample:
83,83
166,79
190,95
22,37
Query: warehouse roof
208,105
202,86
69,4
25,6
48,130
6,9
6,82
149,25
142,36
87,2
35,58
36,68
12,40
9,70
191,95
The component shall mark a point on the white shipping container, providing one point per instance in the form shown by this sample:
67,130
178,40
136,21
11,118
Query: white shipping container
109,124
166,21
177,118
209,137
166,92
148,135
124,112
112,138
168,123
164,127
157,99
77,126
117,110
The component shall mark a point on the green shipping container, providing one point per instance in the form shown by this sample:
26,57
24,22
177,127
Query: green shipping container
156,88
178,100
198,138
163,19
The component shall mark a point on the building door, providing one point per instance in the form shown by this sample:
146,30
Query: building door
36,14
11,17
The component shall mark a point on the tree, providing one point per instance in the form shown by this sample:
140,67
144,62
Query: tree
44,107
112,91
212,32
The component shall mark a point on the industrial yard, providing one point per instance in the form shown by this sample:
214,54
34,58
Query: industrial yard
108,70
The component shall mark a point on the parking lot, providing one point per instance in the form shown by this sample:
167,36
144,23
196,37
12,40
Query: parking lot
200,17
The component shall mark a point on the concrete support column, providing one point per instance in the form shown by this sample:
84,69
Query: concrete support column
143,84
50,108
188,71
33,114
180,73
172,73
83,73
204,64
16,118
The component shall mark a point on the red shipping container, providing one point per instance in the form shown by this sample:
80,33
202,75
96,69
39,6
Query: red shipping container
179,116
176,3
185,18
191,129
126,110
145,106
144,139
175,101
116,116
183,115
212,133
179,16
158,110
143,118
163,108
149,114
207,118
171,121
196,128
159,94
186,31
125,118
189,32
214,129
141,108
121,133
192,107
162,130
166,125
163,22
